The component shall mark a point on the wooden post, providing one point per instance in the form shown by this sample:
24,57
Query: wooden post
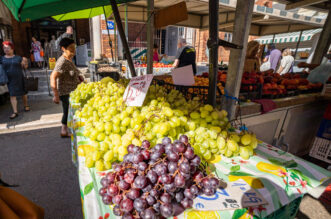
242,24
298,43
123,38
323,42
150,34
213,50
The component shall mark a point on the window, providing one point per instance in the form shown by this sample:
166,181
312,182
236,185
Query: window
226,37
280,40
296,39
309,37
290,39
275,40
262,41
302,38
230,37
285,40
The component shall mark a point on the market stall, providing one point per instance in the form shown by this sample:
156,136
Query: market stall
281,178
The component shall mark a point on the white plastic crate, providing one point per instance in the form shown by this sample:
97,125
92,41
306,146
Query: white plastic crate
321,149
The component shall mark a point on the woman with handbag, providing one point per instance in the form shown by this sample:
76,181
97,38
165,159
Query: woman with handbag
37,51
13,66
64,79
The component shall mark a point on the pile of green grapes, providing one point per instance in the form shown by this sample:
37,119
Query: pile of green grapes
112,126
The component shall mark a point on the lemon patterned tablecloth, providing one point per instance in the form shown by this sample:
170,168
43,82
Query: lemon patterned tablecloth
280,177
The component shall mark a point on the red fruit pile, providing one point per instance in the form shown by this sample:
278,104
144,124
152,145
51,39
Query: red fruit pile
156,182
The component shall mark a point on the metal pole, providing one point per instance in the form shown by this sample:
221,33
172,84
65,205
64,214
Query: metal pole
126,22
297,46
150,36
324,41
242,24
123,38
213,50
273,38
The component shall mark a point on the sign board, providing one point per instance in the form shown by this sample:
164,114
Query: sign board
183,76
110,25
136,90
111,32
236,195
171,15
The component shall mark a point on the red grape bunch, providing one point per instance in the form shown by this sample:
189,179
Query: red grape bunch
156,182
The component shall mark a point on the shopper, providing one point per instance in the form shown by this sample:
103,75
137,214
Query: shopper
156,56
319,73
53,50
273,57
185,55
64,79
68,34
287,62
13,66
36,48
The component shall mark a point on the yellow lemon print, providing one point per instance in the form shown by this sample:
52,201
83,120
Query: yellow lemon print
201,215
79,124
254,182
247,215
215,159
270,168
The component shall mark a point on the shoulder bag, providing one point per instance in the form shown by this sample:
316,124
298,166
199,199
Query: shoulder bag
30,82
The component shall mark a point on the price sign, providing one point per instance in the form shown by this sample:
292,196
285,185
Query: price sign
136,90
183,76
236,195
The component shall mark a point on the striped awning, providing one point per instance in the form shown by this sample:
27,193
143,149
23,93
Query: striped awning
288,37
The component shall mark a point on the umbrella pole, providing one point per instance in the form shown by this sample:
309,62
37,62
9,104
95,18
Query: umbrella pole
123,37
108,33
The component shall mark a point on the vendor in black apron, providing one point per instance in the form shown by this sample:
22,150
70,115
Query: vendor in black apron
185,55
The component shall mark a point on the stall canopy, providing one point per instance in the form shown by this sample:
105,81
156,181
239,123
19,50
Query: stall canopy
265,20
4,15
27,10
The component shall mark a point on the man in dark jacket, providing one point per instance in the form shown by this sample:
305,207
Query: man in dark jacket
185,55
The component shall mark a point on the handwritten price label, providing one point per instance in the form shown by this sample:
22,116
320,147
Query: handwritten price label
136,90
236,195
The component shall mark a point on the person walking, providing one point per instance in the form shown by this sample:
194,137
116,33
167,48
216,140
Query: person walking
68,34
13,66
287,62
36,49
64,79
185,55
272,58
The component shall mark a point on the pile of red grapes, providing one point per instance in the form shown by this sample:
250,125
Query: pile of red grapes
157,182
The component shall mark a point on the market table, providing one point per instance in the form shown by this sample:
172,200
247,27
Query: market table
281,178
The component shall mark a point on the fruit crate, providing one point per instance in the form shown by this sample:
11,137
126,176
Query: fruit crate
190,92
288,211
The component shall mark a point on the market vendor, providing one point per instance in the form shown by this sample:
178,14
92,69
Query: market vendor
185,55
319,73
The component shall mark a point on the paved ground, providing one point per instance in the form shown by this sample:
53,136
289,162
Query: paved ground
40,162
311,208
44,113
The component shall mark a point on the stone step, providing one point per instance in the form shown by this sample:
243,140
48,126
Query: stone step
37,95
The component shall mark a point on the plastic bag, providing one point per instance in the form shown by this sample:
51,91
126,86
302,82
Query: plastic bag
265,66
320,74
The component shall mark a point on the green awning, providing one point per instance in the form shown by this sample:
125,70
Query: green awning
27,10
86,13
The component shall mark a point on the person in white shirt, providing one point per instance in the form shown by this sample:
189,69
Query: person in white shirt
286,62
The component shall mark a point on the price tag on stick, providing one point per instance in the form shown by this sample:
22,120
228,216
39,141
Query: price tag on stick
183,76
136,90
